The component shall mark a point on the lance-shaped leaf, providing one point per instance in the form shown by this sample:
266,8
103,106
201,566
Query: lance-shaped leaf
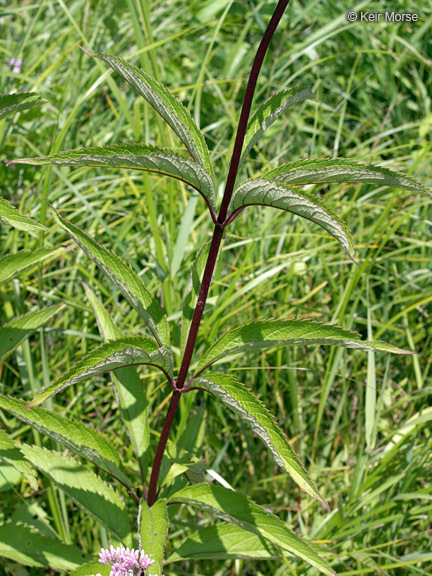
242,511
114,354
70,433
252,411
153,531
25,545
269,112
321,170
15,331
11,454
124,278
13,103
15,218
222,542
138,157
275,333
292,199
84,487
130,392
166,104
13,264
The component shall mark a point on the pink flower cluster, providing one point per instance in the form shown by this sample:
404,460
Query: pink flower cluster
125,562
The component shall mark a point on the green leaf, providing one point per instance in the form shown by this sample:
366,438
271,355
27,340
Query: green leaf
14,264
321,170
27,546
240,510
269,112
15,331
70,433
153,532
223,542
252,411
127,351
15,218
138,157
84,487
13,103
92,568
275,333
166,104
124,278
34,515
11,454
292,199
131,395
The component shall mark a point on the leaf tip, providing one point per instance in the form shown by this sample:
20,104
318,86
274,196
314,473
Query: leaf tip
85,51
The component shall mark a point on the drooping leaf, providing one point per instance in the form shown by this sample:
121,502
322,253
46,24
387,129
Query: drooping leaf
84,487
130,392
275,333
36,516
11,454
13,264
269,112
242,511
124,278
166,104
252,411
72,434
132,350
25,545
222,542
153,531
321,170
13,103
15,218
292,199
138,157
15,331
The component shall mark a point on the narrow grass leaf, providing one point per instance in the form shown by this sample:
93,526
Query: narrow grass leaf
13,264
166,104
124,278
269,112
223,542
16,219
276,333
153,531
84,487
252,411
130,391
13,103
242,511
26,546
292,199
15,331
321,170
138,157
127,351
10,454
75,436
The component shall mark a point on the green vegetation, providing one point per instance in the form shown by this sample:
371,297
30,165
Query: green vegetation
359,421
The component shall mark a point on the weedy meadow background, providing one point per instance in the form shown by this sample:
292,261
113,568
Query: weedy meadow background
360,422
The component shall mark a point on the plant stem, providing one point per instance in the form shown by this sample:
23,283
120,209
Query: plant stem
215,245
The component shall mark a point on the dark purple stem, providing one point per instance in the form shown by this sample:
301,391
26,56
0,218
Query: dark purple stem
215,245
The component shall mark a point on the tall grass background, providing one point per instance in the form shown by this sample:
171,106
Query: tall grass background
360,422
